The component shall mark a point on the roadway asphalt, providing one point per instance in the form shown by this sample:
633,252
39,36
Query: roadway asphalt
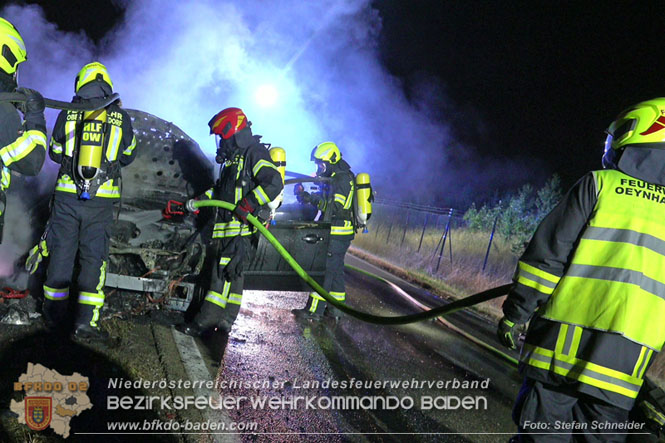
303,360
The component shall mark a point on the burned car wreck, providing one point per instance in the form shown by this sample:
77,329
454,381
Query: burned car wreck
169,260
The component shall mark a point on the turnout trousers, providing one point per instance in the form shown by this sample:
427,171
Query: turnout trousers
333,280
77,227
221,304
547,413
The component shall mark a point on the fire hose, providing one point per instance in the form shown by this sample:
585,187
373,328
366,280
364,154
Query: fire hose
92,104
370,318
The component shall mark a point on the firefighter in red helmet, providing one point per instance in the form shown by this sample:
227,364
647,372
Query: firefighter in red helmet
250,180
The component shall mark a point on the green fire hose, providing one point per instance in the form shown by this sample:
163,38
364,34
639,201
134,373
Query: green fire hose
376,319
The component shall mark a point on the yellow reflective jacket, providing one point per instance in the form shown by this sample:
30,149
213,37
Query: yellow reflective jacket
21,150
249,173
593,272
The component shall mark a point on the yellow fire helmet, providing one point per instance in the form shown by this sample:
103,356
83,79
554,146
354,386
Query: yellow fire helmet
12,47
327,152
91,72
642,124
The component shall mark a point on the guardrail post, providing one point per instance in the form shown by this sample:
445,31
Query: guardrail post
490,242
422,234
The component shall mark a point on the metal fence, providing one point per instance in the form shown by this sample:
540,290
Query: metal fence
392,220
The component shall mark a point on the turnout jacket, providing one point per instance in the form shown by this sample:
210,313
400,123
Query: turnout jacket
336,200
21,150
248,172
118,151
593,274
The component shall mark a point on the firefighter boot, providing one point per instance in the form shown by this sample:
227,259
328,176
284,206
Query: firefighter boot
313,310
230,314
90,334
209,319
86,328
195,329
191,328
332,313
55,316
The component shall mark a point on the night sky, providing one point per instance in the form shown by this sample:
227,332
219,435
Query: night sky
541,79
536,82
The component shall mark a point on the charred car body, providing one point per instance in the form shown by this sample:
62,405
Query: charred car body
169,260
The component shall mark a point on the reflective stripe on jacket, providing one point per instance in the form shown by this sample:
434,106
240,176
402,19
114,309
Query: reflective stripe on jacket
20,150
615,280
250,174
342,188
593,272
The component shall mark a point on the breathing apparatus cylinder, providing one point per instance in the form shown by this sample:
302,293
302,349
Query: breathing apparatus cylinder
91,147
278,156
363,199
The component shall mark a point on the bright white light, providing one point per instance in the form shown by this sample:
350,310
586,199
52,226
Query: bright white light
266,95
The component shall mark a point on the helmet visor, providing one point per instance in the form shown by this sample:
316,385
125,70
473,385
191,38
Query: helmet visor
608,143
320,168
610,154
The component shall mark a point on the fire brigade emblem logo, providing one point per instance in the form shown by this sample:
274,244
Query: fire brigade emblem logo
38,412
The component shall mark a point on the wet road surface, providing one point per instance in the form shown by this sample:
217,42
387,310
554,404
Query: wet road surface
418,382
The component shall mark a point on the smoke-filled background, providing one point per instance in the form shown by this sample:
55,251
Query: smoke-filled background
316,64
303,72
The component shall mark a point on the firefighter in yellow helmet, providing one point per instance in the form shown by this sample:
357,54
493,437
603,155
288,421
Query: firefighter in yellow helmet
592,285
91,148
22,144
250,180
335,201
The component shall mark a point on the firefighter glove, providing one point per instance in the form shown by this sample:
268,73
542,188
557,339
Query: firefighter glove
35,256
506,333
33,109
301,195
653,417
243,208
234,256
34,101
173,208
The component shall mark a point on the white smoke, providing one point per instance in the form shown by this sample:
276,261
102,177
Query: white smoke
186,60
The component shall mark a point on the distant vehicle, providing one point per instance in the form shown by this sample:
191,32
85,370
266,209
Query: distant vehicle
173,258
